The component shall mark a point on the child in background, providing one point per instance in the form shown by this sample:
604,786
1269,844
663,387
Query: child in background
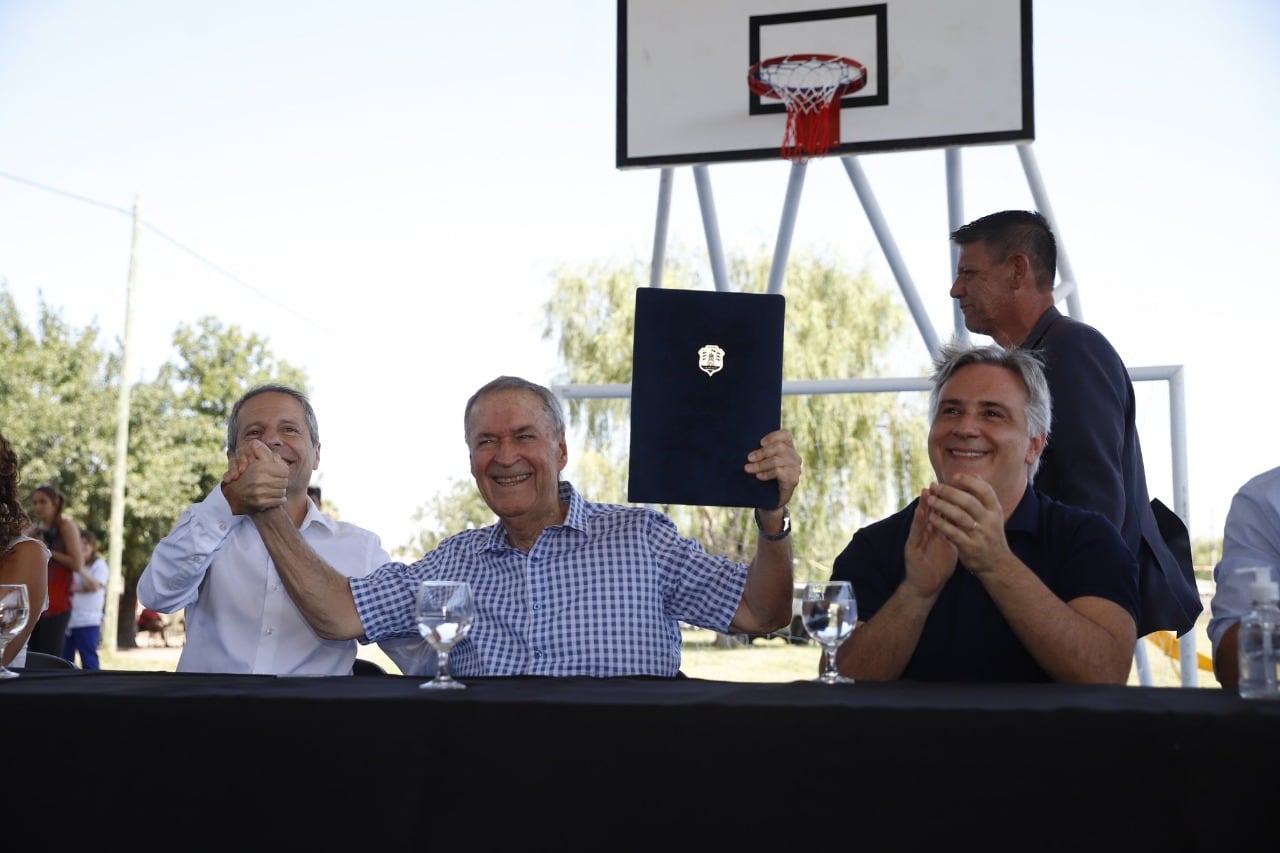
84,629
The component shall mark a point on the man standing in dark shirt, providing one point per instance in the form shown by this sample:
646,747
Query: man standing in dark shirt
1004,286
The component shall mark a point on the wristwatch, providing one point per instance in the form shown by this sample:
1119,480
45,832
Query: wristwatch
782,534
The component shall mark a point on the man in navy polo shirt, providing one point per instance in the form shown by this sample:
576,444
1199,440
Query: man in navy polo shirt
983,578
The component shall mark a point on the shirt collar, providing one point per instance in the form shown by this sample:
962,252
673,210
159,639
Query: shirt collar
575,518
315,516
1026,516
1041,328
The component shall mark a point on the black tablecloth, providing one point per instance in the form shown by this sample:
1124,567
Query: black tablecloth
611,764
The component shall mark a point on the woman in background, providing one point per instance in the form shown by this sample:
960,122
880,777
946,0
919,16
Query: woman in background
62,536
22,558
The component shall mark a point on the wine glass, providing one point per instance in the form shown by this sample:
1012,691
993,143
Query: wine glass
445,611
14,610
829,611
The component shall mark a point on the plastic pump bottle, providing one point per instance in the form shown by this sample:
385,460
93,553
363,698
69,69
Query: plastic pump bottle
1259,639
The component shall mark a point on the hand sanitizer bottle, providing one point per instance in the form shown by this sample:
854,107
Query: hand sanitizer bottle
1259,639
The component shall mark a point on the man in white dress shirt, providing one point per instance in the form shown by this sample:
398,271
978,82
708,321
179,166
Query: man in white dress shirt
213,565
1250,541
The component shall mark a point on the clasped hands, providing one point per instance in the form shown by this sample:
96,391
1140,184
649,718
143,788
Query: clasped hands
962,521
257,479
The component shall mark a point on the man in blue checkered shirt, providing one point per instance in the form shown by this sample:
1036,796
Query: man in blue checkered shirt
563,586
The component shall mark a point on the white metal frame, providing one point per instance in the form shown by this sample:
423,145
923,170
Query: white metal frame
1067,289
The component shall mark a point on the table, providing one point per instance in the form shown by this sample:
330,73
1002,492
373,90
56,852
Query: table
620,763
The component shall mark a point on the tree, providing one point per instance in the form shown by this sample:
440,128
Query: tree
58,393
864,455
56,402
458,508
1207,553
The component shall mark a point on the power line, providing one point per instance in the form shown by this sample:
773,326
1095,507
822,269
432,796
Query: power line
177,245
66,194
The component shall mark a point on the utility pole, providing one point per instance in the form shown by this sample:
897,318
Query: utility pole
120,471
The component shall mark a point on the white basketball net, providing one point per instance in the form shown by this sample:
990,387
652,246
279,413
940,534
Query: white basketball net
807,87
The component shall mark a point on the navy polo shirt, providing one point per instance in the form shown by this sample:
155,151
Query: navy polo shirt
1076,552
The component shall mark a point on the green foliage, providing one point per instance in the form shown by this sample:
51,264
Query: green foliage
59,395
1206,553
57,405
864,454
217,365
458,508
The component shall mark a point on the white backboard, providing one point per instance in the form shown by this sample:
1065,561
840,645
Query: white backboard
941,73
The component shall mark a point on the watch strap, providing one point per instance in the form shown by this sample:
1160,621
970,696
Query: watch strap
786,526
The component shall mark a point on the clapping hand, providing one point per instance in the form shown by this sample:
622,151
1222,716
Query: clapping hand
929,556
965,515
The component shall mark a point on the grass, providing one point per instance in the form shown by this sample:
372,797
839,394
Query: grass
764,660
777,660
143,659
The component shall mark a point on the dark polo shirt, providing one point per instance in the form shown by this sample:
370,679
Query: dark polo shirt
1076,552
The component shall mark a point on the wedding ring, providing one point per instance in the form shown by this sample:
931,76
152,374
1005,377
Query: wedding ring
973,526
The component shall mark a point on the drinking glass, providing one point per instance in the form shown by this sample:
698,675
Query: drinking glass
14,610
829,612
445,613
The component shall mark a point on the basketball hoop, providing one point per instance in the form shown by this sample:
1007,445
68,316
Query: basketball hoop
810,85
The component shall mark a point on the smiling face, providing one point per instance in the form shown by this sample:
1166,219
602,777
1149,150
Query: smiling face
980,428
279,421
517,457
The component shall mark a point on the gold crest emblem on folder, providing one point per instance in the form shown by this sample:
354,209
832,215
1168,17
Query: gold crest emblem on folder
710,359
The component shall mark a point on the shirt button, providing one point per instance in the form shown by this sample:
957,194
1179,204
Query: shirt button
268,632
538,655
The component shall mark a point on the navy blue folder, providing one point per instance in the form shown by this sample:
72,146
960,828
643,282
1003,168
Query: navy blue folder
706,386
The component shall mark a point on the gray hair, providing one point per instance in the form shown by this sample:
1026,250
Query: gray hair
233,423
550,402
1024,364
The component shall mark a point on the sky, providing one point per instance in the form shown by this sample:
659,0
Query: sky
383,191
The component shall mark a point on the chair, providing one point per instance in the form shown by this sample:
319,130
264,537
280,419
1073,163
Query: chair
43,660
366,667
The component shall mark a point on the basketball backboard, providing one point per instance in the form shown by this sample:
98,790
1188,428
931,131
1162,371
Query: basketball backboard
941,73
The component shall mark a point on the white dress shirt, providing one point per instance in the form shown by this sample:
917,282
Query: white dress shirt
240,618
1251,540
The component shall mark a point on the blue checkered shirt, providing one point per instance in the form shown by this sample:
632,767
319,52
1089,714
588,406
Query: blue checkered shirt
601,595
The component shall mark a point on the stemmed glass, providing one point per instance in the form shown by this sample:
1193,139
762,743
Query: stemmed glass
445,612
829,611
14,610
